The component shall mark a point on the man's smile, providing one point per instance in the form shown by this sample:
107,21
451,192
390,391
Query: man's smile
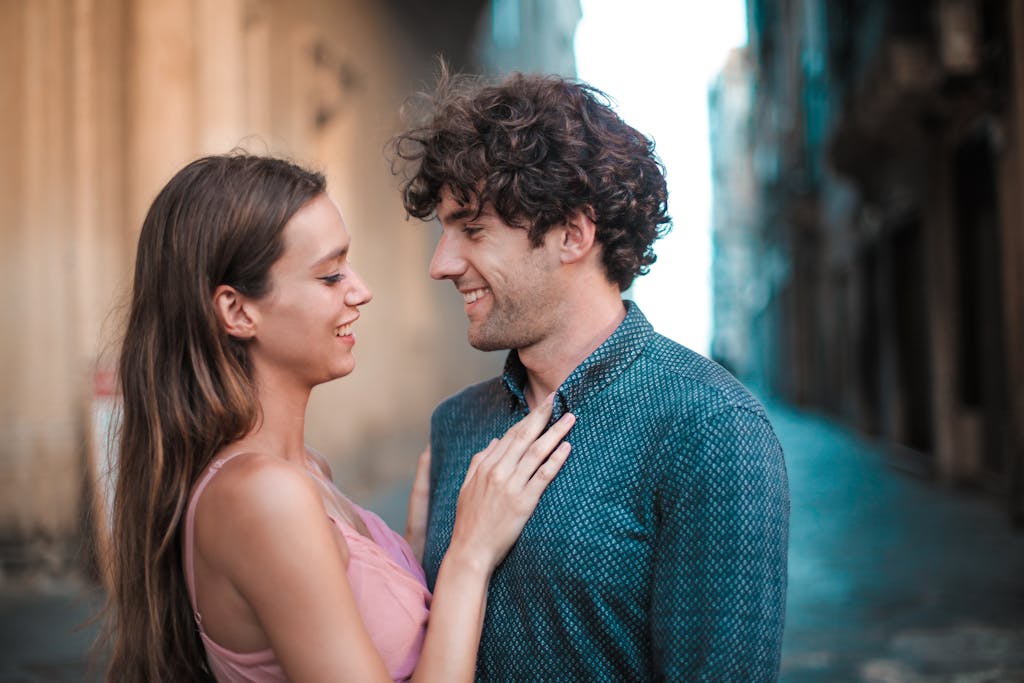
470,296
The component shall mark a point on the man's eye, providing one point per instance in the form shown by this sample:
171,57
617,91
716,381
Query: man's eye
331,279
471,230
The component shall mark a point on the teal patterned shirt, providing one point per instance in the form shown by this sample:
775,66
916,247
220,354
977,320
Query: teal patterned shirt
659,550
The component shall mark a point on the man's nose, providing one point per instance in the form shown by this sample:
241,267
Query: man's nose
447,262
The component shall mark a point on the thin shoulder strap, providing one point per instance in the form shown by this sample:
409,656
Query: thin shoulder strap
190,523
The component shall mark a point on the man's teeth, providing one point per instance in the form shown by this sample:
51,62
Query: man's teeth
470,297
343,331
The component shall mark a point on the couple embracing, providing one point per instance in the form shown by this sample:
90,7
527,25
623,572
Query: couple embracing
613,507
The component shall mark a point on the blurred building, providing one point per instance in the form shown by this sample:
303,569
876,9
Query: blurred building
101,101
737,277
870,230
528,36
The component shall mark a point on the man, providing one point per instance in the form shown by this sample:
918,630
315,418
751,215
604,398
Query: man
659,551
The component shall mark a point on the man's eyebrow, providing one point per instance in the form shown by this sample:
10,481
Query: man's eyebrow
333,256
458,214
464,212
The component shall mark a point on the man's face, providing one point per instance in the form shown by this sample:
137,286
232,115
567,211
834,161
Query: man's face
507,285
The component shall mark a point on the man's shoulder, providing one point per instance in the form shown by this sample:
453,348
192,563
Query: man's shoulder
707,410
691,381
474,398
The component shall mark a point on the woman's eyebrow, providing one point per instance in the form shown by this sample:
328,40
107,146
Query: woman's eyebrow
333,256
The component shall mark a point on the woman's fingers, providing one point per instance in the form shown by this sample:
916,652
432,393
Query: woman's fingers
541,449
521,450
546,472
521,436
474,464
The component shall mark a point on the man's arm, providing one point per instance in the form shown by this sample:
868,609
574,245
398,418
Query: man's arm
718,599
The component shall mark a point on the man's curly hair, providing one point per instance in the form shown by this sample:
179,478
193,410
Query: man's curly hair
538,148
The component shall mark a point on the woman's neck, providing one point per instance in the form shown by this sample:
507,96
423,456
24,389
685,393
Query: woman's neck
281,428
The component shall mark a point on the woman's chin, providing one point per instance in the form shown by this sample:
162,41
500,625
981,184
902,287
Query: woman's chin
345,371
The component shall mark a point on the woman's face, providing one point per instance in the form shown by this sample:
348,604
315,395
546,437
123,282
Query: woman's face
304,326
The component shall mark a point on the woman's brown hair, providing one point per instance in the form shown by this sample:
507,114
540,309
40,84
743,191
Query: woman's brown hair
187,390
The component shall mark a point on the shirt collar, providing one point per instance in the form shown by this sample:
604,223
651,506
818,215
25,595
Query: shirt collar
600,368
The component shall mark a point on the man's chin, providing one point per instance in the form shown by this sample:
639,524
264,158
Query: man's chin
487,344
481,341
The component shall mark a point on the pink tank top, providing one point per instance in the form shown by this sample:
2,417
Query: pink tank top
388,584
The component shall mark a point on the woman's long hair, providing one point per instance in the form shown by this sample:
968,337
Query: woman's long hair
187,390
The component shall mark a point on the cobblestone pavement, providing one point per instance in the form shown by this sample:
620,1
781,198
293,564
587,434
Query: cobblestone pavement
892,579
46,633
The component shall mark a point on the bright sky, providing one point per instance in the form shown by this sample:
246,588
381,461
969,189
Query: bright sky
655,59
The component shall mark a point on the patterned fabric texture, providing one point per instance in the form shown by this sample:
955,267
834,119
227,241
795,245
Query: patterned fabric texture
659,551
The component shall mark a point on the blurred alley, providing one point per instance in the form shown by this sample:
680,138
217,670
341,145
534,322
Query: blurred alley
867,277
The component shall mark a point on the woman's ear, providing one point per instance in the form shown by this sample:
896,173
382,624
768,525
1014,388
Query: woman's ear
578,235
233,313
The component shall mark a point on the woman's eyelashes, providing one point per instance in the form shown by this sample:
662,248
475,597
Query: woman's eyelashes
331,279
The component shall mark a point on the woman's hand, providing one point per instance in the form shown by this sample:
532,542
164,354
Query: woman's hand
503,484
419,504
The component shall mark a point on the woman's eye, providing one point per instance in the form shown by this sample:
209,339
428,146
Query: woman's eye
331,279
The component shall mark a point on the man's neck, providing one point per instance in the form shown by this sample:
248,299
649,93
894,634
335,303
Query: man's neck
586,328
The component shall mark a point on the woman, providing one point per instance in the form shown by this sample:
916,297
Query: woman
235,557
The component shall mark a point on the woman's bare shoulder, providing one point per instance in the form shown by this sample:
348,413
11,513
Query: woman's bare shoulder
259,482
257,503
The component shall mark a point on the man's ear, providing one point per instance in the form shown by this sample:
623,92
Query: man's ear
234,315
577,235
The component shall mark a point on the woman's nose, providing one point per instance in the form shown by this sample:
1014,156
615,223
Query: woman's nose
358,292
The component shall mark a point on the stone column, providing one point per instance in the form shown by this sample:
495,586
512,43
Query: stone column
220,74
1012,239
42,436
938,240
161,98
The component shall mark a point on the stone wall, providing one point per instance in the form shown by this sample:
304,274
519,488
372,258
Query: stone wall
101,101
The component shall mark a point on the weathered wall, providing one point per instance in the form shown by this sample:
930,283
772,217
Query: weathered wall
887,154
100,102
